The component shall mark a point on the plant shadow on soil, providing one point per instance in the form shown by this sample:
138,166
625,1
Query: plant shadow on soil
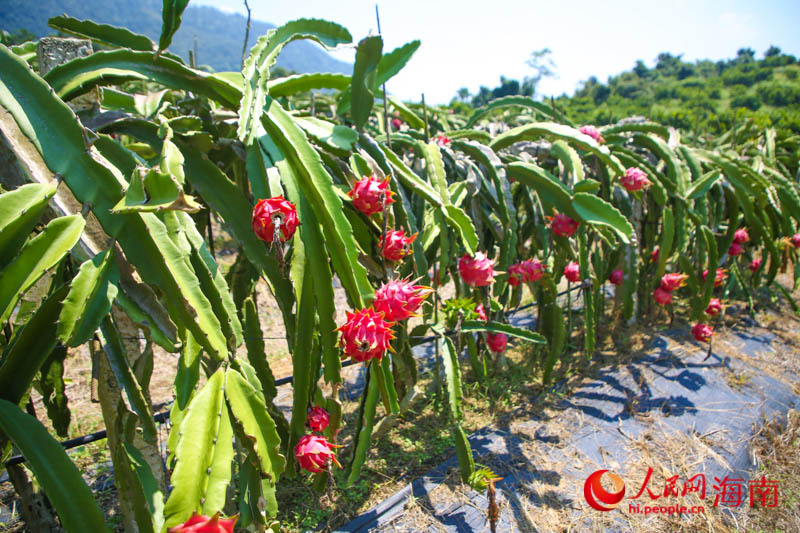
420,439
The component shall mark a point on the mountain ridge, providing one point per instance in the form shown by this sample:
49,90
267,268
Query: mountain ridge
219,35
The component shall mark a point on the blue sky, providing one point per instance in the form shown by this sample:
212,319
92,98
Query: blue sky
470,43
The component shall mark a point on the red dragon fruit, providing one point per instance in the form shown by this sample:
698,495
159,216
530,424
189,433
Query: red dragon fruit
662,297
735,249
366,335
592,132
654,255
755,264
497,342
616,277
370,194
317,418
481,313
400,299
702,332
672,281
516,274
719,277
477,271
532,270
313,452
572,272
741,236
198,523
635,179
795,240
271,212
396,245
714,307
563,225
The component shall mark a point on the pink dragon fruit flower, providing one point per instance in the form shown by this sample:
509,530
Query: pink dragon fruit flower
317,418
714,307
755,264
592,132
702,332
370,194
616,277
270,213
635,179
400,299
741,236
497,342
476,271
396,245
662,297
563,225
314,452
366,335
572,272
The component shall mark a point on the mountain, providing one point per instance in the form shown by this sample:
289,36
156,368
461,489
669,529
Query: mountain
219,35
699,96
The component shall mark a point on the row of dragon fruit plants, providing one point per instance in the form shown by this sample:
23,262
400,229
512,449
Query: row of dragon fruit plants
393,199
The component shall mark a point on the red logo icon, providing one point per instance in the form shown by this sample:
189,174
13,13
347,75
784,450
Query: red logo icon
598,497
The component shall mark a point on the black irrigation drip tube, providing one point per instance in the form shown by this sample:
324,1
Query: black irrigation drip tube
163,416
